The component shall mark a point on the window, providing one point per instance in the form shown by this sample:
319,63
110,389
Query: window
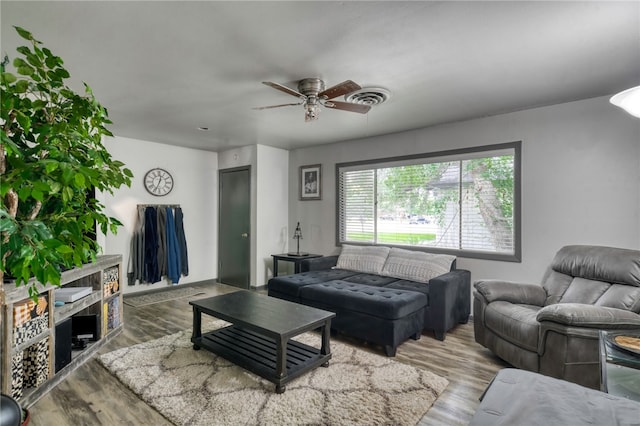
464,202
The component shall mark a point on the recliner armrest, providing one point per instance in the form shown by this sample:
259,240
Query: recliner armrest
590,316
318,263
508,291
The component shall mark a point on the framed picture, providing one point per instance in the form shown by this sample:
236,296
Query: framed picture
311,182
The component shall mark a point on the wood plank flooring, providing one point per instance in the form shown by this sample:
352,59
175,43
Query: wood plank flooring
92,396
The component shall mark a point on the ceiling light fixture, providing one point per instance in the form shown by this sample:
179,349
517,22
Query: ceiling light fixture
311,109
628,100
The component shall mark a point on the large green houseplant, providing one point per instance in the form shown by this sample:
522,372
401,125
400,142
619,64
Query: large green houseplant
51,159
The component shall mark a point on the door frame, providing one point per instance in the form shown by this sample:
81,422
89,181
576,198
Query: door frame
220,173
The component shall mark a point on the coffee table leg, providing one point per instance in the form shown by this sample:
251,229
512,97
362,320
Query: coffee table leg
197,326
281,361
326,344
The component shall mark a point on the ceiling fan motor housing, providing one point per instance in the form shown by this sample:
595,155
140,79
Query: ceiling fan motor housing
310,86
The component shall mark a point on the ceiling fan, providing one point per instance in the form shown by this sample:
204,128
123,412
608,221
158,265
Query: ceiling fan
311,94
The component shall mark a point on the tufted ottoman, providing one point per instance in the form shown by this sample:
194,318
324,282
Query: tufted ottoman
289,286
380,315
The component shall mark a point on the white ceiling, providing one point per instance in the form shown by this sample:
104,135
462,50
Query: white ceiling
163,69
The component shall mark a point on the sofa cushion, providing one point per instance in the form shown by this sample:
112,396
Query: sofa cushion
609,264
366,259
589,316
514,323
567,289
375,301
291,284
410,286
583,290
416,265
370,279
621,297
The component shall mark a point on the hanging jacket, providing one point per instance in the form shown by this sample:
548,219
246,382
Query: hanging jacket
182,242
151,273
173,253
162,242
135,266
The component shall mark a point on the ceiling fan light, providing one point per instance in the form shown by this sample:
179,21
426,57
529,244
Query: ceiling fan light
628,100
311,113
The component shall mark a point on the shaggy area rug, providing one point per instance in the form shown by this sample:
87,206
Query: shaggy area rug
161,296
191,387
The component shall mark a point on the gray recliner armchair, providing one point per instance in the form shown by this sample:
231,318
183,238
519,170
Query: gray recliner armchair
553,328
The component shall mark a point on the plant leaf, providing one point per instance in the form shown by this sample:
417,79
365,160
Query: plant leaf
64,249
80,181
8,78
24,33
22,86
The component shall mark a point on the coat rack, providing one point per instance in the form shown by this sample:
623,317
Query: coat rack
158,245
160,205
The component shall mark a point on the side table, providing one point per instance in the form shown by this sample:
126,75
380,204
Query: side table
619,367
297,260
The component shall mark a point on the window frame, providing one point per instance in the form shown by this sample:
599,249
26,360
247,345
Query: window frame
516,146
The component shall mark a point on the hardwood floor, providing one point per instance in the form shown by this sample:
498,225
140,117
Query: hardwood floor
92,396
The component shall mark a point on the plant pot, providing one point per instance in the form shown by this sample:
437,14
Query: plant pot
10,411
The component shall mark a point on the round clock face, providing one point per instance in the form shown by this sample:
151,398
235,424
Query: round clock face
158,182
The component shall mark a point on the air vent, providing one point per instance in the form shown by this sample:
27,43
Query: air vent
368,96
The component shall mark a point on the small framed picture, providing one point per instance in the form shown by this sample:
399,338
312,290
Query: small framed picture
311,182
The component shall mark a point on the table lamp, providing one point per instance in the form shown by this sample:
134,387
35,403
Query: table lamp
297,235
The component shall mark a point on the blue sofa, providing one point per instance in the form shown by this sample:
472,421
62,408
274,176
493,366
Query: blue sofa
380,309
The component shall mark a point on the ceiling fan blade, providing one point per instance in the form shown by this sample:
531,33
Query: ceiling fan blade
346,106
339,90
284,89
277,106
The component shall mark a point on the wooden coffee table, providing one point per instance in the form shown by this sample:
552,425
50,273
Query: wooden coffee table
259,338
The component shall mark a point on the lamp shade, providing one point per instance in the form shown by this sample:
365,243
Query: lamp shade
628,100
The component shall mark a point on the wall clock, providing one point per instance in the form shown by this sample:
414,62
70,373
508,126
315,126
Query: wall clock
158,182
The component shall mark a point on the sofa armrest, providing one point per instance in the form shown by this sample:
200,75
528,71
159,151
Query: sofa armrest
508,291
589,316
449,301
318,263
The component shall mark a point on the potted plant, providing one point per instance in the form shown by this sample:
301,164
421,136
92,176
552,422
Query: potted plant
51,160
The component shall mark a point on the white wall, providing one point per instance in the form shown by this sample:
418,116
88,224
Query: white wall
580,179
272,204
195,189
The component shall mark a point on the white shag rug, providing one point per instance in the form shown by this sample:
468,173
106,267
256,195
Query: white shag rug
191,387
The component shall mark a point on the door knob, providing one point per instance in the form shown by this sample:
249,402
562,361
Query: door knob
244,235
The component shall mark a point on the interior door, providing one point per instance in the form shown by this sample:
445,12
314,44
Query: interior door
234,246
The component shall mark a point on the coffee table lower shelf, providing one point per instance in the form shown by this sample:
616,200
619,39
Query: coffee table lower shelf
258,354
